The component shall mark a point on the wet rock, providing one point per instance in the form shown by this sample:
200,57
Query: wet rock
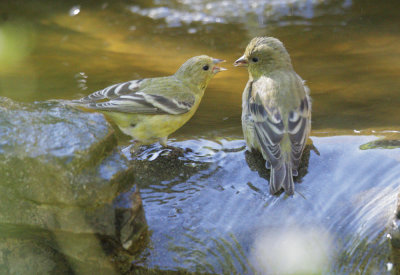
20,256
155,164
60,191
392,141
381,144
395,241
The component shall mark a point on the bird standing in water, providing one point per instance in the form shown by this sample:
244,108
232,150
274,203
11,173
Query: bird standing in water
150,109
276,110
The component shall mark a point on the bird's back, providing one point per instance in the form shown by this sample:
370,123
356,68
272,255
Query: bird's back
270,104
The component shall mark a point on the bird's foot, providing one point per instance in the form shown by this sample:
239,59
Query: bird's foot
172,149
163,141
177,151
134,148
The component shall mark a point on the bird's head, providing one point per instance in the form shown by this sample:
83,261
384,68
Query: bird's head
264,55
199,70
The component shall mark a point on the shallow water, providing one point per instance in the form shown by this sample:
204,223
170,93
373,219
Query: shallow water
349,53
337,222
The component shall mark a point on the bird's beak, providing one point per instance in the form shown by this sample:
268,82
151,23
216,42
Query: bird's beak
241,62
215,68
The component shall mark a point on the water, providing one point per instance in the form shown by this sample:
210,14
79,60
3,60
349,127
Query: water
214,213
337,222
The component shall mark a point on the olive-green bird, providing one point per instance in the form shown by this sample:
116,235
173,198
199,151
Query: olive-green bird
276,110
150,109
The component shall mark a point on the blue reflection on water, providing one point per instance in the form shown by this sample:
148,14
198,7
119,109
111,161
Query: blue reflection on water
348,197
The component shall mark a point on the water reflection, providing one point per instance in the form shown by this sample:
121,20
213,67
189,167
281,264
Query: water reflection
292,250
340,214
337,46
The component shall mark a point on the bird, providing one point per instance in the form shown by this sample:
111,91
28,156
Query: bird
151,109
276,110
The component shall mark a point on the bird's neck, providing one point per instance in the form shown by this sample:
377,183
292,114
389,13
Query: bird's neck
268,72
196,84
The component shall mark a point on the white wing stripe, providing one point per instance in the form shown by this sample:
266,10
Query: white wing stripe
168,105
294,117
132,97
134,85
116,91
108,89
297,128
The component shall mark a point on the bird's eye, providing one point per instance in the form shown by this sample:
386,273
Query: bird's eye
254,59
205,68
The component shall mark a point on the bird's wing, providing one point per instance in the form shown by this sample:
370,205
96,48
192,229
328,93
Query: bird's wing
298,128
268,126
113,91
163,95
145,103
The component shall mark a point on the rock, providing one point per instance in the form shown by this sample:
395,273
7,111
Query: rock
27,256
256,162
62,188
381,144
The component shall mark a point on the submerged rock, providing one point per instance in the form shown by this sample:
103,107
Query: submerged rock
61,180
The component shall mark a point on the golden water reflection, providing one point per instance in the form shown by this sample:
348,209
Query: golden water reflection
351,62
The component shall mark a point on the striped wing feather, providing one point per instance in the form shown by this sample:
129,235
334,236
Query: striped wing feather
143,103
298,126
269,129
155,97
112,91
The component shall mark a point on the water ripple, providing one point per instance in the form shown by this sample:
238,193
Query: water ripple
341,212
233,11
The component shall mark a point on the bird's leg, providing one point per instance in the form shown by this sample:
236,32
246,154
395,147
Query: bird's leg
163,141
134,147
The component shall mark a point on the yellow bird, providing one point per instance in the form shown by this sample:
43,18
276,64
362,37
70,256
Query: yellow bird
151,109
276,110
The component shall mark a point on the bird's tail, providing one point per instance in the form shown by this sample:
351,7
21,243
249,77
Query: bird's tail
73,103
281,177
66,102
